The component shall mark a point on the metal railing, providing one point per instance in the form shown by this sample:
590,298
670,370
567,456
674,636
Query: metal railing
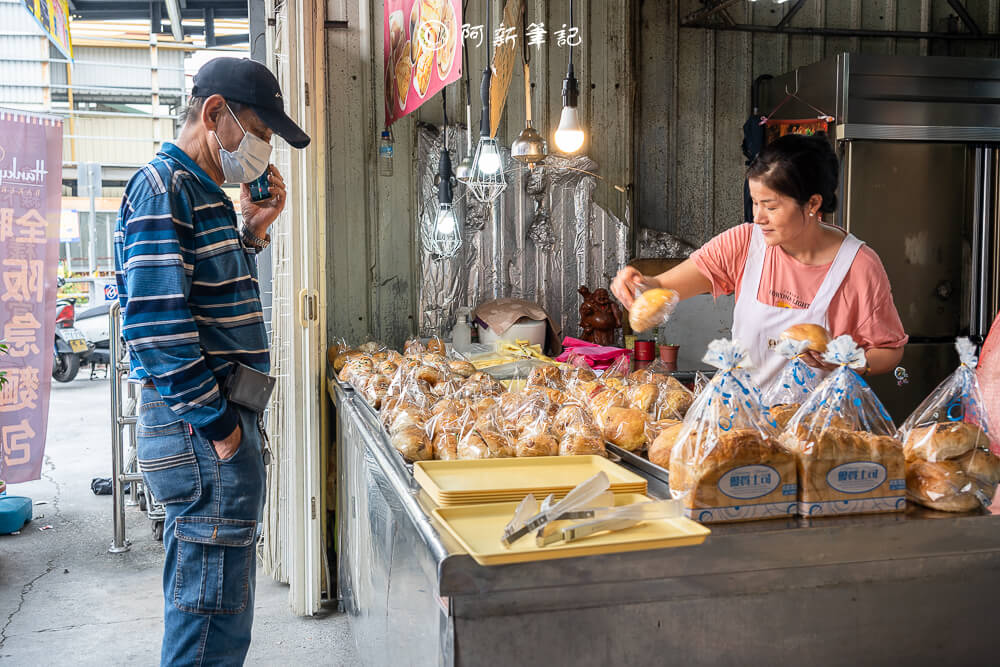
124,415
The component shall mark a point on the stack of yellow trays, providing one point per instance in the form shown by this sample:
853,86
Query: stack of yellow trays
452,483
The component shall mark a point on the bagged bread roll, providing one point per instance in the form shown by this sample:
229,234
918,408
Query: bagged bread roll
582,443
445,446
482,444
950,443
436,346
461,368
663,444
983,465
943,486
642,396
546,375
537,444
625,427
652,308
816,336
572,417
412,442
724,462
943,440
849,459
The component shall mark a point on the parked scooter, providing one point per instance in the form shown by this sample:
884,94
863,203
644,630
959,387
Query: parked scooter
93,324
70,345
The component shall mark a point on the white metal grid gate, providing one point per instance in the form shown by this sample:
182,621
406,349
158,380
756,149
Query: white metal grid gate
293,549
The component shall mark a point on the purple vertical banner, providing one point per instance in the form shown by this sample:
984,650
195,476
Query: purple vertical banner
30,193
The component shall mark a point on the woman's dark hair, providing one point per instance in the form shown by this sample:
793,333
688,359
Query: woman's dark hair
799,166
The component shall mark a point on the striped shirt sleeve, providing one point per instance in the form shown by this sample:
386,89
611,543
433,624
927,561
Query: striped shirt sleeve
157,258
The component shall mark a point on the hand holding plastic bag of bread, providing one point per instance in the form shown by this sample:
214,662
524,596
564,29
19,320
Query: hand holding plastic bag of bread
795,383
725,463
950,447
651,308
848,458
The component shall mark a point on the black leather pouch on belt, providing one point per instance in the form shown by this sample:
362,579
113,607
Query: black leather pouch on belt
248,388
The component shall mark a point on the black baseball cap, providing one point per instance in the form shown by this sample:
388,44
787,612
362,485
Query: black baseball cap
251,83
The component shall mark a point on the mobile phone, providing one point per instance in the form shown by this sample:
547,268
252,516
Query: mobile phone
260,189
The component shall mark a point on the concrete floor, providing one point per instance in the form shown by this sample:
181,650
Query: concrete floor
65,600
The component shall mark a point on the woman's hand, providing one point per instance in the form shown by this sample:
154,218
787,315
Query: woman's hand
259,215
627,282
815,359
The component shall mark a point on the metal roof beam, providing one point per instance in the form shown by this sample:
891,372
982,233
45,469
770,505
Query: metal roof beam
846,32
707,11
963,14
790,14
176,27
137,13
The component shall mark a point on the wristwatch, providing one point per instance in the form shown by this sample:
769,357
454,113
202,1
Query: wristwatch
251,240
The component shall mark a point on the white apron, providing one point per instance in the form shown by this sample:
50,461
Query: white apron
756,325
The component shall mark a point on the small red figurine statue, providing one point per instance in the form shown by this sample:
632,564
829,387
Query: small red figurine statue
600,317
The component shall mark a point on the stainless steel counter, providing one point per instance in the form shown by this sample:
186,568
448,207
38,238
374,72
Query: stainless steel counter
876,589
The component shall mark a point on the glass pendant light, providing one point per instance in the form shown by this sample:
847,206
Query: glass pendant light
487,181
569,135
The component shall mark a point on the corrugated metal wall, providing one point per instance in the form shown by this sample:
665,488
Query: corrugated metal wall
694,91
116,140
23,47
120,72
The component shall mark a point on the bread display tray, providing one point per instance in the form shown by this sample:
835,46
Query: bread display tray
501,480
478,529
639,462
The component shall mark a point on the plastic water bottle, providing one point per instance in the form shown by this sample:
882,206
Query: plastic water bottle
385,154
461,335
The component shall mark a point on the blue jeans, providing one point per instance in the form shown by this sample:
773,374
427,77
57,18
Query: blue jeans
213,509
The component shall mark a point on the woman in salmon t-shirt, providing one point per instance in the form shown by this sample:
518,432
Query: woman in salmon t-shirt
788,267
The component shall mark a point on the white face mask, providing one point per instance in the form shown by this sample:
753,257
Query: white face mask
248,161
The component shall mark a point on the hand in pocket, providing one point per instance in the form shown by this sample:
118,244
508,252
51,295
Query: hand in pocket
228,447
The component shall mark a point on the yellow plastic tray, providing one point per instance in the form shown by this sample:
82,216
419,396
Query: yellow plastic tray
478,529
487,480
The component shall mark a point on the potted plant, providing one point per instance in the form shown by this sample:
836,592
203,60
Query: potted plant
668,353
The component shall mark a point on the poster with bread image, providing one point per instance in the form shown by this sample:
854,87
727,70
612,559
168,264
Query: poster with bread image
422,52
849,459
726,463
950,446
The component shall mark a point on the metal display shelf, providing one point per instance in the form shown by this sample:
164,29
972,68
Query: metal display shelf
842,590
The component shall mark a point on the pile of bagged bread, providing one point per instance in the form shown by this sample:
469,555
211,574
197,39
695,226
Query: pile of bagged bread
949,466
435,407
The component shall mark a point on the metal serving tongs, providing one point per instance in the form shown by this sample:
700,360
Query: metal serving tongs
576,500
550,532
619,518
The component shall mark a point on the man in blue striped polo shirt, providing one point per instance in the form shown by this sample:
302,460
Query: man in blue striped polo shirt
187,280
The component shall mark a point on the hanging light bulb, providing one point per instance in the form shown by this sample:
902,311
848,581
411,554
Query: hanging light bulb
446,223
487,181
444,239
488,157
569,135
